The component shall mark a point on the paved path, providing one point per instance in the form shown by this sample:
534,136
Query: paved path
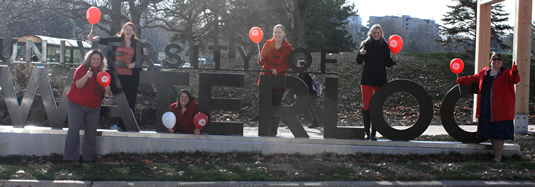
284,132
46,183
318,132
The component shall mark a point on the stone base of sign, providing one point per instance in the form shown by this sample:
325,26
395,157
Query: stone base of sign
521,124
45,141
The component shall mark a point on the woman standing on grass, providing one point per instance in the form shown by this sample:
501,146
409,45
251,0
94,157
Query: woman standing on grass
375,54
128,75
495,102
274,61
84,101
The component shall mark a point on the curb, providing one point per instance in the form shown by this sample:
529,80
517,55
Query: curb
57,183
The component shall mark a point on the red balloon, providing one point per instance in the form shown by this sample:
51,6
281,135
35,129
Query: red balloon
200,120
395,43
256,34
457,65
93,15
103,78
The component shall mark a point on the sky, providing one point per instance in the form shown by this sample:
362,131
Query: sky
423,9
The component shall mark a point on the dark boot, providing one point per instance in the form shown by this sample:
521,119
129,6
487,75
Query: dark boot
315,121
274,126
366,117
372,136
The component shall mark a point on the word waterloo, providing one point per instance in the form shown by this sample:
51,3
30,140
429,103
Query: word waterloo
19,111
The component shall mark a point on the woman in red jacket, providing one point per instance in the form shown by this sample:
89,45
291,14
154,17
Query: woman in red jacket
495,102
185,110
274,61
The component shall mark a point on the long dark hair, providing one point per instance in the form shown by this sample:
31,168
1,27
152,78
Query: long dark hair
87,59
178,98
101,67
134,38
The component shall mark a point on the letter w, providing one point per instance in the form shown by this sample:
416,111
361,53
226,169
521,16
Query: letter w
38,81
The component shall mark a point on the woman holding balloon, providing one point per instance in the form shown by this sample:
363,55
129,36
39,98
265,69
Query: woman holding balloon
495,102
185,110
84,101
375,53
274,61
128,75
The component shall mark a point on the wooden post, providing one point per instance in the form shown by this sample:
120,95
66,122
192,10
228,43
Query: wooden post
521,54
483,36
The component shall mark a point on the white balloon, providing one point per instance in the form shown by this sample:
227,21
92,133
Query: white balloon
169,119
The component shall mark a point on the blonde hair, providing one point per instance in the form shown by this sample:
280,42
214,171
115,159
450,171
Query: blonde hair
280,26
87,59
373,27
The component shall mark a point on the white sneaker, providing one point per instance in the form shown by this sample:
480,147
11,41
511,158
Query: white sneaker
115,127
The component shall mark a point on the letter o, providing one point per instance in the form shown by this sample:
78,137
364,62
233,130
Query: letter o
446,114
379,98
308,59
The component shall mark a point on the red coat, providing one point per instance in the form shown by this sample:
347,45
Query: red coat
502,92
275,58
184,122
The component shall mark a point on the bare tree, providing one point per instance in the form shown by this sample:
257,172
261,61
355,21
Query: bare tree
188,20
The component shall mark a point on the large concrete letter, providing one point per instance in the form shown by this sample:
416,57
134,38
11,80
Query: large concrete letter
378,101
206,103
19,112
287,113
447,118
14,48
217,54
246,57
172,55
142,57
163,80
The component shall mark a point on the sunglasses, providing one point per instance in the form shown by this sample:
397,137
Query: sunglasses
495,59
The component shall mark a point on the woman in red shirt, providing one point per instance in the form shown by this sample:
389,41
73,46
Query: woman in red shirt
274,61
185,110
128,74
84,101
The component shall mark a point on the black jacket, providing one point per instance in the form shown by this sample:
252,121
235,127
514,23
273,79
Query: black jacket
308,81
376,59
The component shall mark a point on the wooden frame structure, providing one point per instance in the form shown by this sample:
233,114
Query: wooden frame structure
521,53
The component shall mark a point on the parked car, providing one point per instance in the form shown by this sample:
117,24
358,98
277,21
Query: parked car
157,67
187,65
202,60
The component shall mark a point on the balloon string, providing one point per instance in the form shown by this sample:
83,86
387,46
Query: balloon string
91,32
459,85
258,45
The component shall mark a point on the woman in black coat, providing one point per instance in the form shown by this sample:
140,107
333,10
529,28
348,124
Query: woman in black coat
128,73
375,54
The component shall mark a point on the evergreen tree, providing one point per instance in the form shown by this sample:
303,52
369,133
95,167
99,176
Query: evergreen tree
326,26
462,20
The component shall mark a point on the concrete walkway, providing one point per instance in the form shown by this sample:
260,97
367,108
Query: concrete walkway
318,132
48,183
250,135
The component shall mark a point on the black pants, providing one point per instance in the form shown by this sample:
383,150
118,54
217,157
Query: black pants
130,85
276,100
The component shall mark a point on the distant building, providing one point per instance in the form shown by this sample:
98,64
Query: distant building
353,27
355,20
411,25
